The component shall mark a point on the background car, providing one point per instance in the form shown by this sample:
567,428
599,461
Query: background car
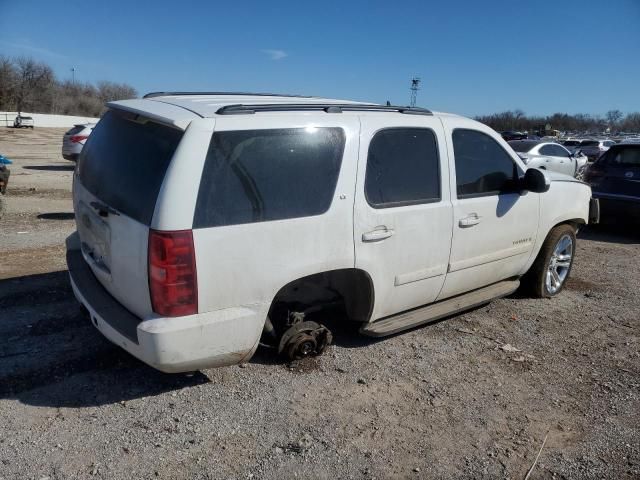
509,135
546,156
594,148
74,140
615,180
572,145
23,122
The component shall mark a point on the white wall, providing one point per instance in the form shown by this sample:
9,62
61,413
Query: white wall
45,119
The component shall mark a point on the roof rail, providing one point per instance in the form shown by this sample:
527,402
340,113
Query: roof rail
241,109
164,94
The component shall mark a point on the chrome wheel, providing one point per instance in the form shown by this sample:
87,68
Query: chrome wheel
559,264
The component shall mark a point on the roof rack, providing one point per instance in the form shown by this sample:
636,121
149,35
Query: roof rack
220,94
241,109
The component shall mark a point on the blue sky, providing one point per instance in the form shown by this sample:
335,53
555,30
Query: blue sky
474,56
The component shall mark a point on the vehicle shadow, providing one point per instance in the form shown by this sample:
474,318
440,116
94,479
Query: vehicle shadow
56,216
622,233
51,168
54,357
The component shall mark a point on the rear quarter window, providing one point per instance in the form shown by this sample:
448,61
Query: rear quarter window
264,175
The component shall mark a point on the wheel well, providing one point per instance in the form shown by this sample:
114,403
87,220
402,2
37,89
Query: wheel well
349,288
576,223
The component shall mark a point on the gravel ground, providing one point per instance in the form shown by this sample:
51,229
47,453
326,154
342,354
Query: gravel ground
473,396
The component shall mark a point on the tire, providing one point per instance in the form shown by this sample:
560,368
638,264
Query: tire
540,280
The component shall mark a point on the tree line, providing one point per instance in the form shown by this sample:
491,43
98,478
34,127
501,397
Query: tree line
27,85
517,120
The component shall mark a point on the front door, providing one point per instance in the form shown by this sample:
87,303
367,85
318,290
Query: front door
560,159
403,217
494,225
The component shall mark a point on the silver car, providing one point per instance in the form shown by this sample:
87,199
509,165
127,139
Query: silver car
546,156
74,140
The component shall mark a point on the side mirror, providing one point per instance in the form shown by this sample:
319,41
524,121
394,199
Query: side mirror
535,181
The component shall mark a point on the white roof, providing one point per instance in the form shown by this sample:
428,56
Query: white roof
181,108
206,105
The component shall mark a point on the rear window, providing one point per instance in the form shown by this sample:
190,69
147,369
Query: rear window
75,130
523,145
571,143
124,162
590,143
263,175
624,157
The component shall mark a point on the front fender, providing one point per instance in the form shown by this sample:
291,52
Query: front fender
567,200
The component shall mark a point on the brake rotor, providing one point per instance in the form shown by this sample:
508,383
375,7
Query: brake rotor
304,339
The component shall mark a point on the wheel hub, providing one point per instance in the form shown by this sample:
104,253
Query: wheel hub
559,264
304,339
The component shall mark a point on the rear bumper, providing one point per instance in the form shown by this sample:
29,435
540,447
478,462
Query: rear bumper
621,207
181,344
70,156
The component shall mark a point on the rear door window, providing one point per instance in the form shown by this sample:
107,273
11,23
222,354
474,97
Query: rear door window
263,175
402,168
483,167
125,160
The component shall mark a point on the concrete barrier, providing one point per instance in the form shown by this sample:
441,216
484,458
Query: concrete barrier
45,119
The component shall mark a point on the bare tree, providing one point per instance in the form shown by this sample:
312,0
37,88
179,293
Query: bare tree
34,83
613,116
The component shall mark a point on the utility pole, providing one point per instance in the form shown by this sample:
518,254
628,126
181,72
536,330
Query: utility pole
415,86
73,75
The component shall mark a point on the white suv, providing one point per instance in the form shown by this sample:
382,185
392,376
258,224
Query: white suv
208,223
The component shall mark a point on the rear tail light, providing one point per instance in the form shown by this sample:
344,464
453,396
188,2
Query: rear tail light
173,284
78,138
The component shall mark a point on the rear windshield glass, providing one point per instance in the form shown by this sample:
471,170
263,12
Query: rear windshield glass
590,143
571,143
75,130
262,175
523,145
124,162
625,157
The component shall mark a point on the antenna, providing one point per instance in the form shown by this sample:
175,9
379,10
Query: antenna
415,86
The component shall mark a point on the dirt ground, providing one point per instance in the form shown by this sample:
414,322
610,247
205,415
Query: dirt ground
450,400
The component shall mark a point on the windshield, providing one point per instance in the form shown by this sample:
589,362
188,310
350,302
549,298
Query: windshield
590,143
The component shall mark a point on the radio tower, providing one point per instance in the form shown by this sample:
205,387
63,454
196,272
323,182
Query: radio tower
415,86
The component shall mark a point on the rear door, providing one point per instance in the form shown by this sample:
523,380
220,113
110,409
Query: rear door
495,225
116,185
403,223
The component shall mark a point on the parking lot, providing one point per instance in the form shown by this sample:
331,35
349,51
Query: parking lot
475,395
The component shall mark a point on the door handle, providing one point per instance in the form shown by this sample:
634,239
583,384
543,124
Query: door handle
377,235
469,221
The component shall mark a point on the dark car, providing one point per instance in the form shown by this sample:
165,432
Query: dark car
615,180
508,136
